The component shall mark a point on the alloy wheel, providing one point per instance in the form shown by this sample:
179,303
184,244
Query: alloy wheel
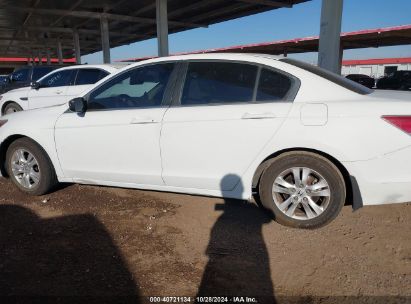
25,168
301,193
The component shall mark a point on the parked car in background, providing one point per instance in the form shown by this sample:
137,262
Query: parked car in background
22,77
399,80
57,87
3,79
365,80
226,125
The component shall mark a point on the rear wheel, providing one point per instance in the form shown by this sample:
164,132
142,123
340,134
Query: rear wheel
303,190
11,108
29,167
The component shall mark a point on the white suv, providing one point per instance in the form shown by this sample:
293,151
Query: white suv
57,87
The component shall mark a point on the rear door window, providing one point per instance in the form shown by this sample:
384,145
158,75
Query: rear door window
219,83
89,76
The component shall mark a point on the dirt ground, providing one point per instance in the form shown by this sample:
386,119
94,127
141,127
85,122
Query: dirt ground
102,242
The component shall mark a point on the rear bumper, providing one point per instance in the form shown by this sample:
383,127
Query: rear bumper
384,180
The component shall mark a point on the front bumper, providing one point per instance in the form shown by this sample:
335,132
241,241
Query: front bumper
384,180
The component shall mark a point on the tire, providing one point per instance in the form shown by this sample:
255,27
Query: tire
314,202
40,171
11,108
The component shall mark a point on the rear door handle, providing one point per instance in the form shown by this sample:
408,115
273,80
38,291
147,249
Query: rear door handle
266,115
59,92
142,121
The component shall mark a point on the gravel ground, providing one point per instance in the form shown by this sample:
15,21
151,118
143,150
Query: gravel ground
100,242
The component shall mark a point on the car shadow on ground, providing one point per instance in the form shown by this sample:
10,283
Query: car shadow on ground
238,261
69,256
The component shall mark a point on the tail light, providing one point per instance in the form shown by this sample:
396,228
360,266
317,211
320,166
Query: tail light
401,122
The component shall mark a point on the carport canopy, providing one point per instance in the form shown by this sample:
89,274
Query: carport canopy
72,28
368,38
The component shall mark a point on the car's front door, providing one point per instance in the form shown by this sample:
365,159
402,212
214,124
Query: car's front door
117,139
52,90
227,113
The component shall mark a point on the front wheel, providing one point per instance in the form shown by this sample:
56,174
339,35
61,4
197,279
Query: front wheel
303,190
29,167
12,108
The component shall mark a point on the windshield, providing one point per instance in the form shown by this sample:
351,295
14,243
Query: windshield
337,79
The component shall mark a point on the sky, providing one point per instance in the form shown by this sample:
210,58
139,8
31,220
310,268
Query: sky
302,20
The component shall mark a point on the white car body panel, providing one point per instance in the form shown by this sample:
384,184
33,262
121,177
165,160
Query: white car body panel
47,97
190,149
202,144
129,150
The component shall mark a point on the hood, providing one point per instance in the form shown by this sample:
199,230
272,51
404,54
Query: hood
36,114
19,90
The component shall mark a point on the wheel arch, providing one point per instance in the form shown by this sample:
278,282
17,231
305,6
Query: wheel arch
353,195
5,104
4,147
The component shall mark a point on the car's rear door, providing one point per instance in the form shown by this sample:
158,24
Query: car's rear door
117,139
225,114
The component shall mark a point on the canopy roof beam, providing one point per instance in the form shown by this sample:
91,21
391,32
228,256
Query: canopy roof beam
275,4
95,15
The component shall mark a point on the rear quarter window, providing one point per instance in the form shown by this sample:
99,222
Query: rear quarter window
272,86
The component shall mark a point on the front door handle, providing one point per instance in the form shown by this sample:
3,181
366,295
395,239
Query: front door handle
143,120
59,92
266,115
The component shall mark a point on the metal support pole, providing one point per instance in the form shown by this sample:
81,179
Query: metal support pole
33,57
77,52
105,39
59,52
48,56
330,32
340,58
162,27
40,57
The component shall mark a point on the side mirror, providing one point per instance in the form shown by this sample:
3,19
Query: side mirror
35,85
78,105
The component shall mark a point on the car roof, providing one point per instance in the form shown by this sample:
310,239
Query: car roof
107,67
221,56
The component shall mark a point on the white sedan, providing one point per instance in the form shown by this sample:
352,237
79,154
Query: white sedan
302,140
57,87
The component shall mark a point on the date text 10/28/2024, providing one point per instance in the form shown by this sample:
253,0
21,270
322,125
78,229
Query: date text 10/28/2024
202,300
